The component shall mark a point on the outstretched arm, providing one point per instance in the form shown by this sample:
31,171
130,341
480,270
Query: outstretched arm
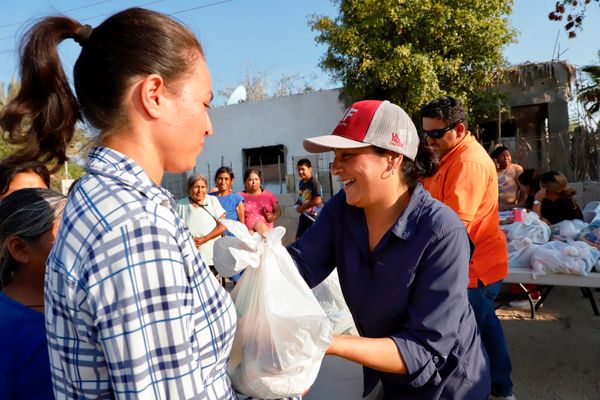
381,354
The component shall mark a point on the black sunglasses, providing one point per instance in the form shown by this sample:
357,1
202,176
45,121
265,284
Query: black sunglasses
438,133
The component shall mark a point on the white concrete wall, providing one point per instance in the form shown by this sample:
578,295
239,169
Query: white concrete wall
278,121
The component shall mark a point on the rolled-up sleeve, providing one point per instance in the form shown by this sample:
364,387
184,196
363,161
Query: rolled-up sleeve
435,310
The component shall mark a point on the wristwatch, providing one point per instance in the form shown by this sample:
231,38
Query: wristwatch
536,202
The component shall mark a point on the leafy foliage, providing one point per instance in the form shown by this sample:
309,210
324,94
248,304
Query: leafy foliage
78,146
258,84
6,94
487,103
411,51
589,93
573,11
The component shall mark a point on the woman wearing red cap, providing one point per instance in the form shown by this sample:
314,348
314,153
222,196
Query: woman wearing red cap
402,259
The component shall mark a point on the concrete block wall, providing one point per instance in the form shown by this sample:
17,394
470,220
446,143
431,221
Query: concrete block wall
586,191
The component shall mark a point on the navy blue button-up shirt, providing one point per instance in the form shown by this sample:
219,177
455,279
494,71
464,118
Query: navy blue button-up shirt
412,287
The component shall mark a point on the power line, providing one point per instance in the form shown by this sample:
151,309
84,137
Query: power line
199,7
66,11
111,13
141,5
89,18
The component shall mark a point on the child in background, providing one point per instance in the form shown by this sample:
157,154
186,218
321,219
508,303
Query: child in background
309,199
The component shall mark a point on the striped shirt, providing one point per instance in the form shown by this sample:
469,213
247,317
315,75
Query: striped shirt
131,309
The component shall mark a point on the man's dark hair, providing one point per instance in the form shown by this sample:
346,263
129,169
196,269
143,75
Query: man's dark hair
447,108
305,162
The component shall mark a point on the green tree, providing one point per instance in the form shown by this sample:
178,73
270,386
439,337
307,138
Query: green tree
589,93
78,147
6,94
411,51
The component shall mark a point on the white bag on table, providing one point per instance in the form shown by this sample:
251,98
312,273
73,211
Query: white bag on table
282,332
568,229
575,258
520,252
532,228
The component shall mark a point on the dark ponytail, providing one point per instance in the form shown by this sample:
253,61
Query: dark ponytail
426,164
129,45
41,118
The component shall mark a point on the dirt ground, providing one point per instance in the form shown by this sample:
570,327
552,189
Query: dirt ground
557,355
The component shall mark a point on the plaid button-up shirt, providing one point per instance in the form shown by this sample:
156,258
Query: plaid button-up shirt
131,309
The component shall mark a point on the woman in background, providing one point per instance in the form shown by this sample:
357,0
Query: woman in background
555,202
509,192
201,214
24,175
29,221
261,207
232,202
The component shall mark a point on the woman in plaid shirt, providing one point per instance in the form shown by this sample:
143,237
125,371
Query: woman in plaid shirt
131,310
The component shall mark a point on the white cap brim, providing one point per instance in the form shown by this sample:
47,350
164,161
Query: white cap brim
321,144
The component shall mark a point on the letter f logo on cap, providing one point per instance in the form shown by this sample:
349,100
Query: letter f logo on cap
347,115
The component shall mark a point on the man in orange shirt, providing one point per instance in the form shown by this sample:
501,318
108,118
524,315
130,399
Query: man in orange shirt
467,182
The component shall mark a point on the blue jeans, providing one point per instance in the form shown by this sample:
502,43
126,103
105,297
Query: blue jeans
482,301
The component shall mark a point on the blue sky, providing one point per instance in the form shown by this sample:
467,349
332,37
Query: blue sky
272,36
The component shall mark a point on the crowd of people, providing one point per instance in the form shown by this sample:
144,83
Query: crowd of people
546,194
110,292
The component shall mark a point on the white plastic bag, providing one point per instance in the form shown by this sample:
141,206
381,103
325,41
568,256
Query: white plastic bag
520,252
282,332
232,255
575,258
568,229
532,228
591,234
330,297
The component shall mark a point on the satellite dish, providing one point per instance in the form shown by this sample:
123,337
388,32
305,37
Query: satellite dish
238,96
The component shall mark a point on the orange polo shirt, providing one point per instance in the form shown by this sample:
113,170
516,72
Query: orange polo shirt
467,182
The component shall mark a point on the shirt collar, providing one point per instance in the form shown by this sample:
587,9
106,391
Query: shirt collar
467,140
117,166
406,225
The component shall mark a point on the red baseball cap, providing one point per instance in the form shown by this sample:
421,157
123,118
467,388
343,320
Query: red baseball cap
370,123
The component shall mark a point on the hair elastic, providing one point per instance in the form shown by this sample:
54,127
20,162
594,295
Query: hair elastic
84,34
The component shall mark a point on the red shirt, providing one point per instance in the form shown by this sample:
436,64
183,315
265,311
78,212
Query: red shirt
255,207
